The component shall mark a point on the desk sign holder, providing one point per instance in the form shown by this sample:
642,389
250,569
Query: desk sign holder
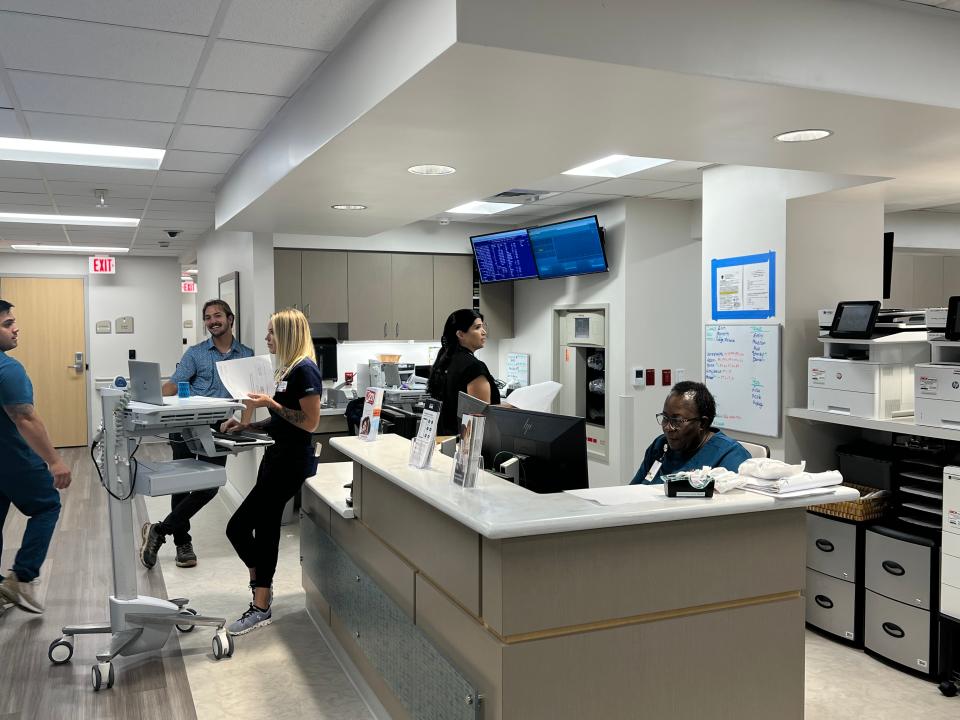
422,446
370,420
467,460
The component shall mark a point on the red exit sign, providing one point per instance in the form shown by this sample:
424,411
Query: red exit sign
188,286
102,265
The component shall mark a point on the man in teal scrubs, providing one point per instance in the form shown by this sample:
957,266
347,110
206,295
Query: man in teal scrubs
31,472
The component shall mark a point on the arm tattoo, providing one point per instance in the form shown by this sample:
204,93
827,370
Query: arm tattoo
295,417
19,411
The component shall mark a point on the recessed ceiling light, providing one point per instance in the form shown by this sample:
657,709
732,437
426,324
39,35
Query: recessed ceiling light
69,220
70,248
431,170
193,272
803,135
70,153
614,166
349,207
482,207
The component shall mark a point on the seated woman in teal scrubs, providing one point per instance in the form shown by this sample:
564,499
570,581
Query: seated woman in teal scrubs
688,441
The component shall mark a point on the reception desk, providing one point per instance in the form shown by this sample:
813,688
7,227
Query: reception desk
501,604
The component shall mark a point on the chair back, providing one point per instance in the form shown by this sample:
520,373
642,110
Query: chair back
755,450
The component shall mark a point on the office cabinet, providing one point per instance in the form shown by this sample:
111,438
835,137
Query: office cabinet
286,278
370,302
832,547
323,280
496,305
834,592
898,632
412,293
452,287
831,604
314,281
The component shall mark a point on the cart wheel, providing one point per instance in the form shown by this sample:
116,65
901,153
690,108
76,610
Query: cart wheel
102,676
60,651
222,645
186,628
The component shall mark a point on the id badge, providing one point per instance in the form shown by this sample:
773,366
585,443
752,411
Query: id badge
282,386
654,469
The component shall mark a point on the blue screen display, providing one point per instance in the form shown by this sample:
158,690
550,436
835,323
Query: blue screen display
504,256
568,248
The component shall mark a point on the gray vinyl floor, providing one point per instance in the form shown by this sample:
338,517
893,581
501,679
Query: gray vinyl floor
284,670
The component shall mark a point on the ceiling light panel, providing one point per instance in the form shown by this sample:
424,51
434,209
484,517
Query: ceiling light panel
614,166
70,153
804,135
70,248
69,220
481,207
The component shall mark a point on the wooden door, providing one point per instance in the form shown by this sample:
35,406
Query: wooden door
49,313
412,277
370,302
286,279
452,287
324,286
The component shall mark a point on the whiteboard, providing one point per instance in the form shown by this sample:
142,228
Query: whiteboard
741,367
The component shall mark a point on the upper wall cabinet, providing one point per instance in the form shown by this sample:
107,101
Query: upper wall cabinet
452,287
391,296
314,281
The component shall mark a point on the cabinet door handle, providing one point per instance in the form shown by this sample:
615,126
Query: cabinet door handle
306,309
823,601
893,568
384,329
397,331
824,545
893,630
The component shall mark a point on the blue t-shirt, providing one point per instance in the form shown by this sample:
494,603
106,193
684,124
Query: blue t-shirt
198,367
718,451
302,380
15,389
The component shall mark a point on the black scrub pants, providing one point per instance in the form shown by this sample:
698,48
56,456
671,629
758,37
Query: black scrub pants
184,506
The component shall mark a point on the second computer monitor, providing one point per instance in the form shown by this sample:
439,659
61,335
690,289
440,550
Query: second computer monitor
553,448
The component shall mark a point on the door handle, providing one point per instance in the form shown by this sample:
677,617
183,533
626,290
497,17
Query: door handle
894,568
824,545
893,630
306,309
384,329
397,331
77,362
823,601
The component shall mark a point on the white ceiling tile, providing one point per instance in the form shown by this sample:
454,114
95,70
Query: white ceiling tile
678,171
22,186
9,127
107,176
54,45
182,225
176,193
230,109
183,16
575,199
106,131
88,203
99,98
177,178
4,99
687,192
634,188
213,139
562,183
254,68
23,198
9,169
316,24
86,188
25,208
198,161
183,207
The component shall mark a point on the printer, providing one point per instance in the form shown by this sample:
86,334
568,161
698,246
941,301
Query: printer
866,371
888,321
937,383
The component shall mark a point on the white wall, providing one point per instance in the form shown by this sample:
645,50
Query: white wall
425,237
924,230
921,280
148,288
188,312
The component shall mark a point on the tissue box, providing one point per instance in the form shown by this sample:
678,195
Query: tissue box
680,485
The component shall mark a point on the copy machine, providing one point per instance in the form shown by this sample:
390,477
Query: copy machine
866,370
937,383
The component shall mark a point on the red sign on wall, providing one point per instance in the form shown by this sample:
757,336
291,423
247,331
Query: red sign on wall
188,286
102,265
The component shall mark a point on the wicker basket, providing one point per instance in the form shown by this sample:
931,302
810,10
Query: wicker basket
856,510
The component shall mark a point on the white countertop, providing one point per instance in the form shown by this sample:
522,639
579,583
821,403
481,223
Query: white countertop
499,509
329,483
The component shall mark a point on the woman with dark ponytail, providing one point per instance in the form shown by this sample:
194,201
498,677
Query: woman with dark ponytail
457,370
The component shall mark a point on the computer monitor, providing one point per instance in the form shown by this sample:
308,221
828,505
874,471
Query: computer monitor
572,247
504,256
145,384
855,319
552,448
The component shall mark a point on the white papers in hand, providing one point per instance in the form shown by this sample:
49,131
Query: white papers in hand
534,397
619,494
247,375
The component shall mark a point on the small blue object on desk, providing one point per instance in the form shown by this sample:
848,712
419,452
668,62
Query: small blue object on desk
183,389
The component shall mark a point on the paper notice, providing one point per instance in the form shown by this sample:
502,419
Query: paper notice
247,375
730,288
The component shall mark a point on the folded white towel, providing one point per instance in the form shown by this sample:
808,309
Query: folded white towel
769,469
800,481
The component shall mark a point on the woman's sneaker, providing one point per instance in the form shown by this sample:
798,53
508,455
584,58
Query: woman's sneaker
253,618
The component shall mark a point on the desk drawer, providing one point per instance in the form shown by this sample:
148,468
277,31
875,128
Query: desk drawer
898,632
898,569
831,604
832,547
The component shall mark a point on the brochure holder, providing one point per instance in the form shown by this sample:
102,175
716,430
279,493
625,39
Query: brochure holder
422,446
467,460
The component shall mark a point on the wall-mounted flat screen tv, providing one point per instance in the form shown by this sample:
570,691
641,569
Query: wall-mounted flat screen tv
572,247
504,256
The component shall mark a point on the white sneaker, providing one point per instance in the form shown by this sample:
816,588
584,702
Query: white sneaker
24,594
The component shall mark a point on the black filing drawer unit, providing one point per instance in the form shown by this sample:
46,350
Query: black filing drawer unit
834,591
901,607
